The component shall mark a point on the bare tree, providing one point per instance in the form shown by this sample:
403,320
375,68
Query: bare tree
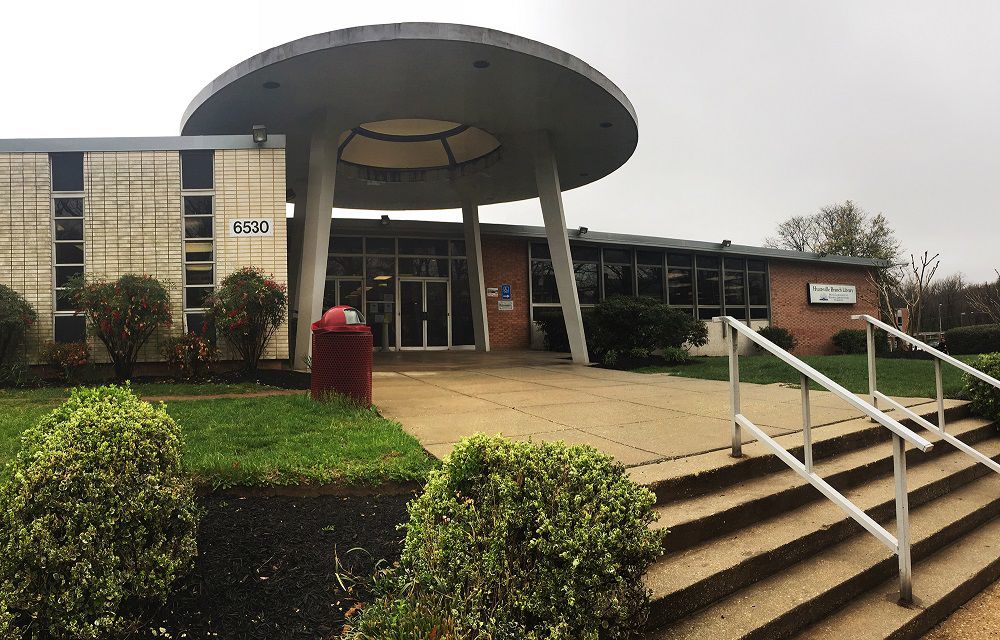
985,299
842,229
907,284
798,233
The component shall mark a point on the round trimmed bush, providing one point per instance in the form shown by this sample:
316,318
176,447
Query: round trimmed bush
779,336
985,397
514,540
16,317
96,519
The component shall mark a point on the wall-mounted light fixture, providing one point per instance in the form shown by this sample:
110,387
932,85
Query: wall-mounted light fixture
726,244
582,231
385,220
259,134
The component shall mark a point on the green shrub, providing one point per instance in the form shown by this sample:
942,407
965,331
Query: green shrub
985,397
980,338
779,336
68,358
247,309
553,327
16,317
627,327
123,314
847,341
189,354
96,519
514,540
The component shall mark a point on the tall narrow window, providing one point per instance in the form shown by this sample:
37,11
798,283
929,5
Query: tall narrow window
617,272
734,285
709,283
680,281
197,182
649,273
67,235
757,289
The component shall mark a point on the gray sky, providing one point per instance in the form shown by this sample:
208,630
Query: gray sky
749,112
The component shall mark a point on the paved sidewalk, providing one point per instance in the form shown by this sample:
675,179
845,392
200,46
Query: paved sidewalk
638,418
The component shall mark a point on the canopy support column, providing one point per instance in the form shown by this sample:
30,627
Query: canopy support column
315,239
477,282
550,195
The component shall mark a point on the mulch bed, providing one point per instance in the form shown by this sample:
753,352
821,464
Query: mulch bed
266,567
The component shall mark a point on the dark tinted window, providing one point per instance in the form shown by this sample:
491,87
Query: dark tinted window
381,246
708,262
757,288
194,297
380,267
458,249
735,290
69,253
67,171
758,313
617,279
429,267
679,260
198,274
756,265
423,247
70,328
587,283
64,302
708,288
543,282
197,205
650,281
649,257
539,250
63,274
69,229
196,169
620,256
198,227
343,266
198,251
462,331
69,207
734,263
345,244
585,253
680,287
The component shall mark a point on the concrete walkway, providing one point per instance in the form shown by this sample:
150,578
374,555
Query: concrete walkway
638,418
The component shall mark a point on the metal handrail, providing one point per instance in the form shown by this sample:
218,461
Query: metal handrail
900,543
939,356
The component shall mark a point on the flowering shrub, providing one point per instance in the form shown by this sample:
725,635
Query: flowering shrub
16,317
97,518
190,354
67,357
247,309
514,540
123,313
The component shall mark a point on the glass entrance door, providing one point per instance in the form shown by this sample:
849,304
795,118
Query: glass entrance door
423,314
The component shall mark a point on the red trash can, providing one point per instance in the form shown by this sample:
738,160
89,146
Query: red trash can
342,355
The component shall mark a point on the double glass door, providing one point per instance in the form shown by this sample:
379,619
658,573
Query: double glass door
423,313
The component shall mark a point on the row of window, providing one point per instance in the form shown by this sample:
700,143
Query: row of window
197,175
706,285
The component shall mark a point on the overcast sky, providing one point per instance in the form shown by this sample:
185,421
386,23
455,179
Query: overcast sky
749,112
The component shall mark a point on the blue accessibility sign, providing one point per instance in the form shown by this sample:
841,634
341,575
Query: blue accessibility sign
505,292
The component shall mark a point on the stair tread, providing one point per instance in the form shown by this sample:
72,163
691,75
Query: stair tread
875,614
679,570
696,465
775,596
695,508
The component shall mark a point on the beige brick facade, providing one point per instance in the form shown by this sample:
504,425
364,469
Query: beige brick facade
250,183
26,237
133,223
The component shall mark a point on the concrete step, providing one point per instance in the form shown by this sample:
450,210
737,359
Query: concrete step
785,603
693,520
710,472
942,583
688,580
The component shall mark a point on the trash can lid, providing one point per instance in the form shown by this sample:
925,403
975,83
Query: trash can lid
341,318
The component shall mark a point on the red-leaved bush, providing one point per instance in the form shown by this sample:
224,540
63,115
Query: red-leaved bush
123,314
247,309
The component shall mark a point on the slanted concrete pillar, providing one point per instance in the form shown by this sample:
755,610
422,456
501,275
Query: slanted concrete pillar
550,195
477,282
315,237
295,234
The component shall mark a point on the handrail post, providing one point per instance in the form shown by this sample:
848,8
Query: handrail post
902,520
807,439
734,387
870,335
939,386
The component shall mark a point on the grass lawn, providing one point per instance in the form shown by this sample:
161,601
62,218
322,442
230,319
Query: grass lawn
257,441
896,377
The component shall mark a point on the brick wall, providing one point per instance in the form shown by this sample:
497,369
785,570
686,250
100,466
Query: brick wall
132,224
814,325
26,237
250,183
505,261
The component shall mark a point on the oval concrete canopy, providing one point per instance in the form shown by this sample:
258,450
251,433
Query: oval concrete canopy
409,77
